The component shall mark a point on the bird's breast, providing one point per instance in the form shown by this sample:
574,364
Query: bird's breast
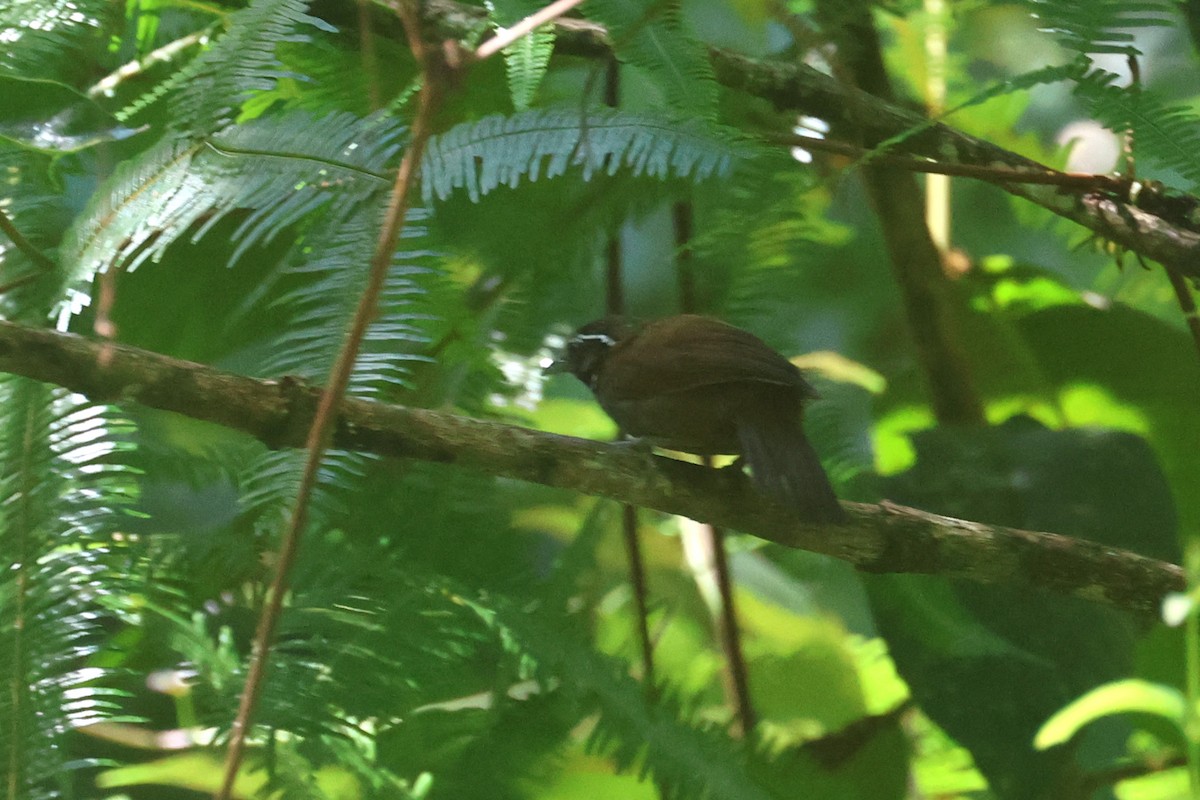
702,420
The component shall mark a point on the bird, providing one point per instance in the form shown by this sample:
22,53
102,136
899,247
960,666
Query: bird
696,384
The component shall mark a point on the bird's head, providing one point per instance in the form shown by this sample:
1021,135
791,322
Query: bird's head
587,350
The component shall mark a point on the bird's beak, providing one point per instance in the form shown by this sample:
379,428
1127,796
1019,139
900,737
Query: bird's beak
558,366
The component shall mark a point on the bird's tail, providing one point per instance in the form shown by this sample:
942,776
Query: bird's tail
784,465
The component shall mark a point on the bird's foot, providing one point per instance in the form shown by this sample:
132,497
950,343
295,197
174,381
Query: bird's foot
635,444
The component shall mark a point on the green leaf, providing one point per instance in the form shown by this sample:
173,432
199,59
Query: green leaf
46,38
1020,83
54,118
651,36
990,664
242,62
64,482
1163,133
1100,26
1119,697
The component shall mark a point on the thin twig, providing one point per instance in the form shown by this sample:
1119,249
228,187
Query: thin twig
158,56
1187,303
1183,291
938,206
730,634
506,36
370,59
40,259
725,623
320,433
614,305
1071,180
681,221
641,593
28,277
1127,139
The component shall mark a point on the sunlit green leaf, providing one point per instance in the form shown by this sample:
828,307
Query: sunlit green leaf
1119,697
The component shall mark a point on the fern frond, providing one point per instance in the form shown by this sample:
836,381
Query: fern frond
63,485
241,62
651,36
686,761
282,168
43,38
177,78
1100,26
367,634
1023,82
328,269
527,60
353,594
1168,135
501,151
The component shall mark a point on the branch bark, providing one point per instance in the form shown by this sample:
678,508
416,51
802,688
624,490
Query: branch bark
1158,225
884,538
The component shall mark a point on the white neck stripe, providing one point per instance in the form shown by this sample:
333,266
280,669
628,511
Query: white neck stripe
603,338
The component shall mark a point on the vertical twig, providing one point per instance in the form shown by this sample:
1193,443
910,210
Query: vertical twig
370,59
681,219
709,562
614,290
731,637
1191,730
637,578
710,540
930,304
937,187
320,432
1127,141
614,305
1183,291
1187,303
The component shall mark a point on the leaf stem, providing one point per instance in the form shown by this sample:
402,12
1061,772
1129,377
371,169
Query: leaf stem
1192,664
1010,175
40,259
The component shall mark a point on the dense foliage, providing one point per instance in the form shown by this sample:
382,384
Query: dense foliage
207,180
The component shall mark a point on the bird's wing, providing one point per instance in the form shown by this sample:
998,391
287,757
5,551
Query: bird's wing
690,352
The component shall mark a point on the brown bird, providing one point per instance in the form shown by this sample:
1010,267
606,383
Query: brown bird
698,385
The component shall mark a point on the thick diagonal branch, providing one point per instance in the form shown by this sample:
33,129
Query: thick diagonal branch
876,538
